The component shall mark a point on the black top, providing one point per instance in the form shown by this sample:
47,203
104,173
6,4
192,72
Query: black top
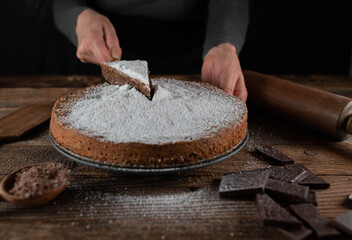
168,34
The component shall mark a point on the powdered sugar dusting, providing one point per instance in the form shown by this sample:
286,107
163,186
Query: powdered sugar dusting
137,69
179,111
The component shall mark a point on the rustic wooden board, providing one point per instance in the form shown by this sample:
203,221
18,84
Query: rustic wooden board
20,97
105,205
20,122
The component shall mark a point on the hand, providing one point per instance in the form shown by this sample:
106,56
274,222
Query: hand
221,68
97,39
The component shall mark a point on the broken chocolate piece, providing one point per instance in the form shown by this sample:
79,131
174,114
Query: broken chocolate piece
292,233
344,222
272,214
315,182
308,179
286,192
312,198
244,182
273,154
309,214
293,173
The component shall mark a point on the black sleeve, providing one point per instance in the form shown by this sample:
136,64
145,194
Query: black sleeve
227,23
65,16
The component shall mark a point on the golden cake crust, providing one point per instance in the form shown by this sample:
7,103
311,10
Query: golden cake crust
134,153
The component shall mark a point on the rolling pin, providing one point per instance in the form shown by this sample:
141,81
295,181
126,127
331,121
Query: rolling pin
323,111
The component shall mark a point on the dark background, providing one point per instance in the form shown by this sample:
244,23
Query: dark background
300,37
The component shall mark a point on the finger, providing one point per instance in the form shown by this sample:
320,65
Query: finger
206,73
100,51
240,89
227,80
112,41
87,58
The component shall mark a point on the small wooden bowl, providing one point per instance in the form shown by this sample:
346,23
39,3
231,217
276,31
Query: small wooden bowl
32,201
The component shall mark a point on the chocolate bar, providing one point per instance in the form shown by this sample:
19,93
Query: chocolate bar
244,182
286,192
274,155
309,214
272,214
344,222
293,173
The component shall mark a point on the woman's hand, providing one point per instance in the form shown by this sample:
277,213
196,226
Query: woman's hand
97,39
222,68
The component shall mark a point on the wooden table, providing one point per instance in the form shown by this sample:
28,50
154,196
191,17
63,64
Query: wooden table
100,205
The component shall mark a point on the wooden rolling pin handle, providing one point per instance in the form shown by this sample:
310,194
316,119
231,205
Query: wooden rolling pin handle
323,111
349,124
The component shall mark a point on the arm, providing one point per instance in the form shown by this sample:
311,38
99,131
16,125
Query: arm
92,33
65,16
226,29
227,23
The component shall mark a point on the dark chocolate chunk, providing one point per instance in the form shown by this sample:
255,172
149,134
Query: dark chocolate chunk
244,182
272,214
309,214
273,154
293,173
344,222
292,233
286,192
312,198
315,182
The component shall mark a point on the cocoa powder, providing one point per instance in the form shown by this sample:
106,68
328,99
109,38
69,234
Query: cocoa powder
39,179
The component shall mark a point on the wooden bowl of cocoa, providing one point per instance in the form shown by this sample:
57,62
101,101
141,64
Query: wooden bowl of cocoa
34,185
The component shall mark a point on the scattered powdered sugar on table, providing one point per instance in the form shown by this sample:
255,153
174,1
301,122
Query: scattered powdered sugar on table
179,111
137,69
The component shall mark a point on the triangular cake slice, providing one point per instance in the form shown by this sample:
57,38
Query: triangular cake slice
134,73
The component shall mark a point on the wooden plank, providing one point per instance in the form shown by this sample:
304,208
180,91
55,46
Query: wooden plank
331,201
323,159
20,122
48,81
20,97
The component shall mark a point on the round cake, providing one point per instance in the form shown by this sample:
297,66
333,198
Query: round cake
184,123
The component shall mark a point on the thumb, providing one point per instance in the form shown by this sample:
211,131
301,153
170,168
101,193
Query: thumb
116,53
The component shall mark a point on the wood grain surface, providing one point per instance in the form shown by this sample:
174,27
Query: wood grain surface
20,122
105,205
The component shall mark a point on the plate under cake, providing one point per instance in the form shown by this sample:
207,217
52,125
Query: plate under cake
184,123
133,72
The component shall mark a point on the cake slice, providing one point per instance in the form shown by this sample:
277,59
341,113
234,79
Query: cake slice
134,73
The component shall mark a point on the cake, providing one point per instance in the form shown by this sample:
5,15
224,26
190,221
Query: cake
185,123
134,73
